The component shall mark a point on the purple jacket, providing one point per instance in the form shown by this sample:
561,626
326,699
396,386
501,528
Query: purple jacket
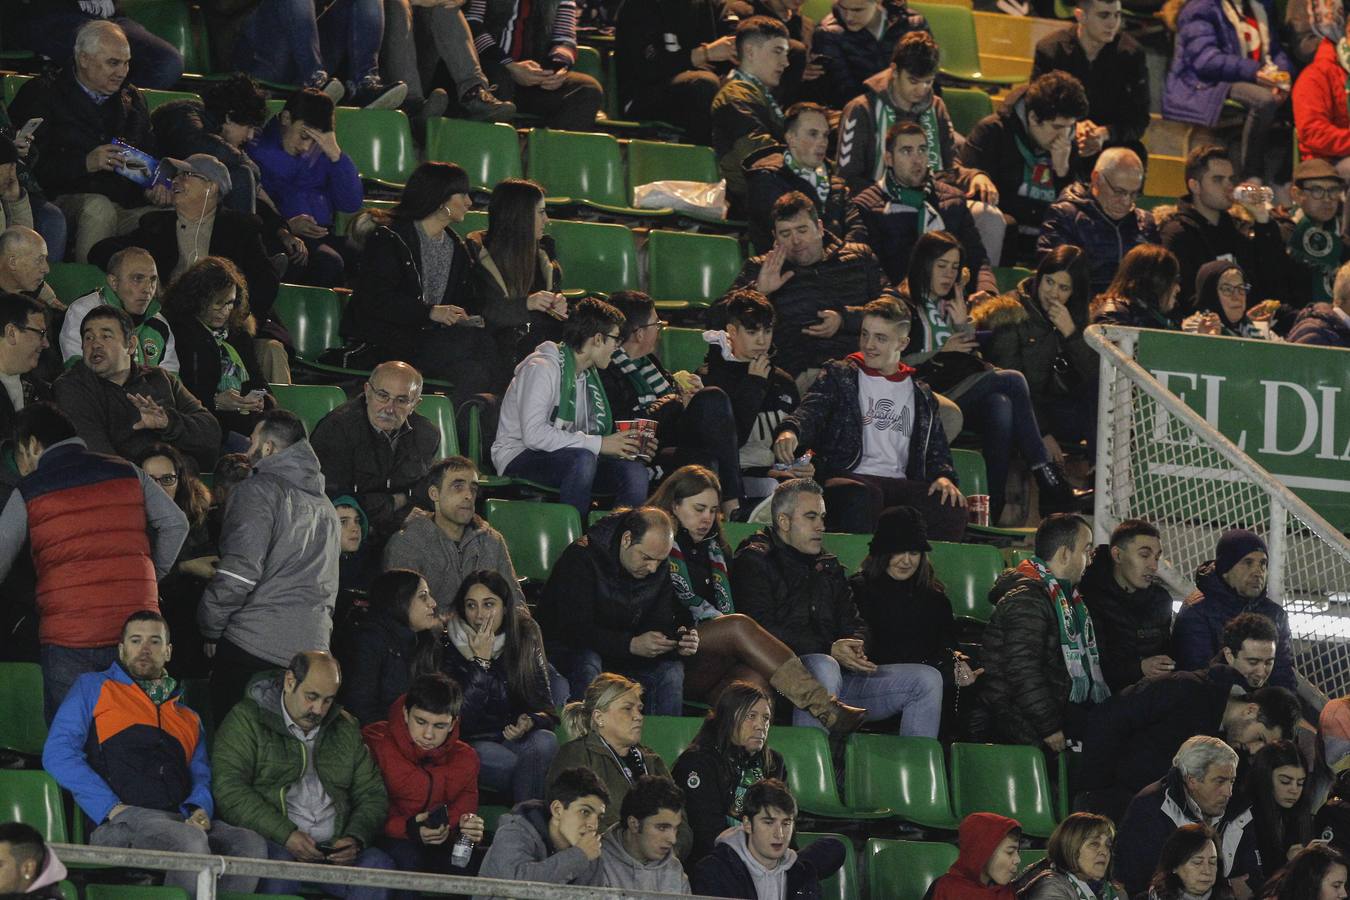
1207,59
305,184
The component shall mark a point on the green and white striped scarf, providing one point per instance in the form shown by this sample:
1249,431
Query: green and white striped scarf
647,379
818,178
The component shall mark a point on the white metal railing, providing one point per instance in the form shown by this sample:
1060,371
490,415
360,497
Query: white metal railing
210,867
1158,459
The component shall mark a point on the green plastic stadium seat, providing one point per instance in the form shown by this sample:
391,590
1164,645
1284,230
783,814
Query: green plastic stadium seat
682,348
966,106
971,472
850,548
12,83
1008,277
311,402
155,99
1030,858
33,798
488,151
23,728
133,892
844,884
581,168
650,161
596,256
172,20
810,770
441,412
589,63
907,774
1004,779
380,142
536,533
312,315
687,266
492,814
73,280
669,735
69,891
903,870
954,29
735,532
817,9
968,571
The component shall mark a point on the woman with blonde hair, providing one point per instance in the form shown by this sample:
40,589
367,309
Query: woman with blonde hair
1077,865
607,729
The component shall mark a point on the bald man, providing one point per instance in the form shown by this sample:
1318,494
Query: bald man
132,284
1101,216
377,448
23,270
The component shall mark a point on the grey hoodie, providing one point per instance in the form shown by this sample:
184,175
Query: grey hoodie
444,563
770,884
621,869
277,581
520,851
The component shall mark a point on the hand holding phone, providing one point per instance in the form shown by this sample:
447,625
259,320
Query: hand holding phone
438,817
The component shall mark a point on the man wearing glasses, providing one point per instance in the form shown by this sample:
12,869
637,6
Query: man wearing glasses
1316,233
23,337
378,449
132,285
1101,216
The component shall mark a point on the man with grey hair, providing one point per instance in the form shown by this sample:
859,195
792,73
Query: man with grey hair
1101,216
1198,789
1326,324
85,110
784,580
24,265
51,28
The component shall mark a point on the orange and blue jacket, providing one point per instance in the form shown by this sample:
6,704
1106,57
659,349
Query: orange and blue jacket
110,744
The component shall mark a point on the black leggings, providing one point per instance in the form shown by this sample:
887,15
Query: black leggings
704,433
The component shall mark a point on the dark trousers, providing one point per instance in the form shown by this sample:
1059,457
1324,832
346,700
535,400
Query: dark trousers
571,107
998,406
704,434
231,670
683,100
854,502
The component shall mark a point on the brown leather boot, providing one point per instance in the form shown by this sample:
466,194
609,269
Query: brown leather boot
795,682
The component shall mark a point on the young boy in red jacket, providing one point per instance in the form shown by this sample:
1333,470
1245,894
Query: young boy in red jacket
431,776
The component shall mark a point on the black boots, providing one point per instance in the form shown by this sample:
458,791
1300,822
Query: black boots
1057,495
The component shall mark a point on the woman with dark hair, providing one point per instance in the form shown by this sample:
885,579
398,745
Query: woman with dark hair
397,641
227,117
1037,329
1280,806
729,754
995,402
731,646
207,308
182,588
1077,865
517,282
1144,292
496,653
1318,872
411,295
1188,867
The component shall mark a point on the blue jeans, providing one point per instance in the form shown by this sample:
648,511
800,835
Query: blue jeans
350,34
577,472
913,690
517,766
155,63
279,41
662,680
62,665
998,406
369,858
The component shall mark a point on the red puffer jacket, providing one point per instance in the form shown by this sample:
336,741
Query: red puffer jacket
419,780
1320,113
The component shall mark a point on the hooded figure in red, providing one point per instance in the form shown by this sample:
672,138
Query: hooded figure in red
979,836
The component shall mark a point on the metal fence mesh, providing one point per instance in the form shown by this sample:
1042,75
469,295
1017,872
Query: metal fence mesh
1157,461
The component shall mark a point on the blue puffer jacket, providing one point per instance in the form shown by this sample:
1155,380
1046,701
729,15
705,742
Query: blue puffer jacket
1197,634
1207,59
1076,218
1320,325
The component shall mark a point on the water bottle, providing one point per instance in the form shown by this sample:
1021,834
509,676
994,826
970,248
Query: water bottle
1253,194
461,852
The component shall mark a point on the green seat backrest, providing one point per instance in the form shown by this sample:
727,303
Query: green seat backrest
1008,277
492,814
954,29
907,774
11,89
133,892
842,885
73,280
588,63
650,161
850,548
1004,779
379,141
970,471
311,402
70,892
441,412
817,9
155,99
313,316
686,266
1030,858
576,164
903,870
682,348
966,106
735,532
33,798
172,21
596,256
967,571
474,220
810,767
488,151
536,533
23,728
669,735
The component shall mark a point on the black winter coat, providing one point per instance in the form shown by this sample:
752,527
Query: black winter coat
1130,313
850,57
848,277
1258,249
623,398
829,421
804,601
1076,218
1116,81
645,55
184,127
489,703
723,874
905,625
767,178
1131,626
708,777
376,667
199,368
892,230
758,405
73,127
591,602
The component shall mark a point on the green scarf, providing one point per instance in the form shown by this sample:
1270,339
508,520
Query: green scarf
647,379
1084,890
233,372
1038,179
774,109
721,604
150,342
1318,247
566,411
929,121
915,198
937,330
818,178
1077,638
158,690
750,772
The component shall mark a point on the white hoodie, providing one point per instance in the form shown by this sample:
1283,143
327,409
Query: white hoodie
526,418
770,884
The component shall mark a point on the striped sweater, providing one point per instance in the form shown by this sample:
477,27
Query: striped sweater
507,31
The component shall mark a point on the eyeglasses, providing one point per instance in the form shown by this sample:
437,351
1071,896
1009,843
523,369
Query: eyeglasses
613,338
1323,193
40,332
220,307
384,398
165,480
1131,195
1229,290
658,324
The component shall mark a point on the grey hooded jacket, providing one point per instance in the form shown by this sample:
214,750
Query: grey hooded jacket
622,870
277,581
